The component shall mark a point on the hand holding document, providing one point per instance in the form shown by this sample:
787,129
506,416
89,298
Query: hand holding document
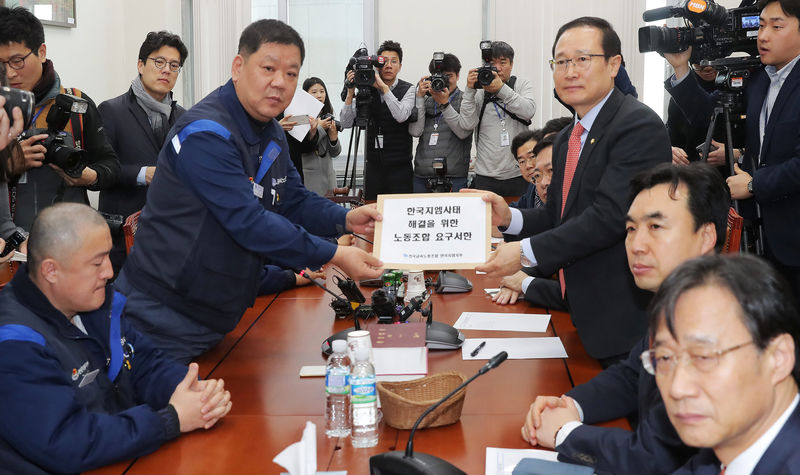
303,104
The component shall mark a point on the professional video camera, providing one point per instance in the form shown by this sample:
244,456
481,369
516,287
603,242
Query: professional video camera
439,183
485,72
712,31
362,63
58,144
438,80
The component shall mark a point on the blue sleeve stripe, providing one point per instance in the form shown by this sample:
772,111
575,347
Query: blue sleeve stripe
20,333
203,125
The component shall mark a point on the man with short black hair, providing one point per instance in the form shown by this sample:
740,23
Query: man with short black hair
136,124
677,213
522,148
772,139
227,200
437,126
82,387
387,145
726,358
36,186
498,112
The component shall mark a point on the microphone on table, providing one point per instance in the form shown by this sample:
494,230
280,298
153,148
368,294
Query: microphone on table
406,463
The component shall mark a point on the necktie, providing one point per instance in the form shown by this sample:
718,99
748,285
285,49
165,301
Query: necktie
573,152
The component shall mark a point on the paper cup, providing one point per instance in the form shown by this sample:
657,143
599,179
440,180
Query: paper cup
359,339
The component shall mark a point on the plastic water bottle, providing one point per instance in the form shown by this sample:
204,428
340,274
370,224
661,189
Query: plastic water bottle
364,401
337,391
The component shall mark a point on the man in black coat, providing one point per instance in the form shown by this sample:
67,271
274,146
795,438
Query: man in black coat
582,231
136,124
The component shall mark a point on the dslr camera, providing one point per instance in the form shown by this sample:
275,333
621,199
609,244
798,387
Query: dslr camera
59,144
16,98
439,183
438,80
711,30
485,72
327,116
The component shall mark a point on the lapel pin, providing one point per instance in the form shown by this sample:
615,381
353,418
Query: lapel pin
591,141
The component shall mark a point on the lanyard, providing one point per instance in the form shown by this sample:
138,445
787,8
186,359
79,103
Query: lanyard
115,337
33,121
503,118
268,158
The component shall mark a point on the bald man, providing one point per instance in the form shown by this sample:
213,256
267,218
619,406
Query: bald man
80,387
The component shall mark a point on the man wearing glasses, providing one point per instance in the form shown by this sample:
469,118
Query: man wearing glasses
136,124
35,186
581,231
677,213
725,357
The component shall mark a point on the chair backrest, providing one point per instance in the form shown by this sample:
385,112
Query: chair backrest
733,234
129,230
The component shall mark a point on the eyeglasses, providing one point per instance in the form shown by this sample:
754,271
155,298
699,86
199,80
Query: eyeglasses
581,62
659,362
526,158
160,62
17,62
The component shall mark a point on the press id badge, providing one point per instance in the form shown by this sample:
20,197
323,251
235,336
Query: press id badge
379,141
504,139
434,139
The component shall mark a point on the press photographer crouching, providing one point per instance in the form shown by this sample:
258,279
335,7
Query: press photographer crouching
767,174
442,159
73,126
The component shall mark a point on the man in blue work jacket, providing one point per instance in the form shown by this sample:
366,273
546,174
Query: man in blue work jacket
81,388
226,200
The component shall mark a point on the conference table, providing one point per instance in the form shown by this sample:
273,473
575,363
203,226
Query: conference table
260,362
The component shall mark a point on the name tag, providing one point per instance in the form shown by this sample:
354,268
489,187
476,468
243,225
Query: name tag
379,141
434,139
504,138
88,378
258,190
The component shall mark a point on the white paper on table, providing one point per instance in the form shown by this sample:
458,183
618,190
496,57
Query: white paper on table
517,348
502,461
401,361
303,103
515,322
300,458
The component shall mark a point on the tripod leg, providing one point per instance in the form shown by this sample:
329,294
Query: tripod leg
349,151
355,159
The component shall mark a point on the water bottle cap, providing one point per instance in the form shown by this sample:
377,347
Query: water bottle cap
362,354
339,346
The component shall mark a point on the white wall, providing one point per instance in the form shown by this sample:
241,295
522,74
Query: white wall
99,56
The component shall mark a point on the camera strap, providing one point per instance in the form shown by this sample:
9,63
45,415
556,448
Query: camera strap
487,99
76,120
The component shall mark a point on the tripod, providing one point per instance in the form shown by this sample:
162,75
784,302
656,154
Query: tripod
727,102
363,99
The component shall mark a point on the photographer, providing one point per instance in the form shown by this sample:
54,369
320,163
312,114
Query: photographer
512,107
772,139
36,186
388,144
437,125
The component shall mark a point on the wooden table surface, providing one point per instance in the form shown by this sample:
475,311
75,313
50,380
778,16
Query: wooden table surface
261,358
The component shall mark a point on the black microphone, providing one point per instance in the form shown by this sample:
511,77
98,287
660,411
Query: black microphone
660,13
406,463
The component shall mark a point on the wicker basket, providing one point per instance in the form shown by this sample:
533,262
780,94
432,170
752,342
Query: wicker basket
403,402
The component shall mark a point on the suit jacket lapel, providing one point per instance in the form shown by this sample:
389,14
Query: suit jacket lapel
789,85
141,118
784,445
595,135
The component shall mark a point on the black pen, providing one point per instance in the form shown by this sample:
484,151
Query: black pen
477,349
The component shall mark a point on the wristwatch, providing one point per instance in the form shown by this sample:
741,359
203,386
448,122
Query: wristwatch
444,106
522,259
750,186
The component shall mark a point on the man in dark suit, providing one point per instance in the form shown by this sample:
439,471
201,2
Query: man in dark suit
725,339
136,124
677,213
772,130
581,230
